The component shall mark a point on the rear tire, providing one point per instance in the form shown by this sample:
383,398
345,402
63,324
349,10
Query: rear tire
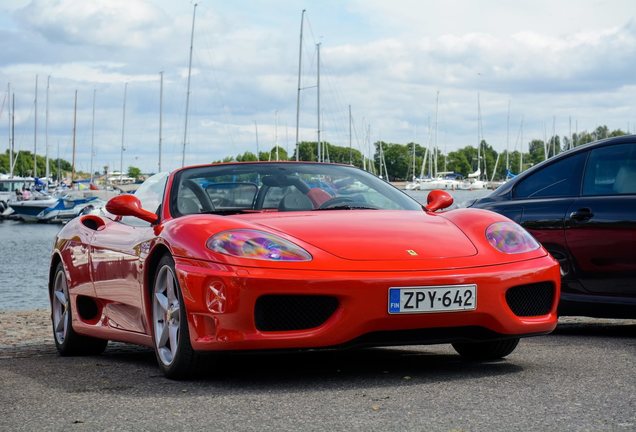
171,337
480,351
67,341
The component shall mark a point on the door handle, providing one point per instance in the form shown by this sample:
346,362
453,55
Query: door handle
582,215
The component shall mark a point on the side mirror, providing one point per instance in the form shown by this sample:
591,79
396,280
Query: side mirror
129,205
438,199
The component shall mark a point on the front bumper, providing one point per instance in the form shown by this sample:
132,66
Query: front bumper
220,302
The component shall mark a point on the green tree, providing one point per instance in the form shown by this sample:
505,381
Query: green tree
462,160
134,172
246,157
396,158
600,132
537,152
282,154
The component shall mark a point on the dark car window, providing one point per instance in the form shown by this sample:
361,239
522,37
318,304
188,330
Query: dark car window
611,170
559,179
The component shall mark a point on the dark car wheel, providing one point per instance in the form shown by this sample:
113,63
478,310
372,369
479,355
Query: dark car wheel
67,341
171,337
486,350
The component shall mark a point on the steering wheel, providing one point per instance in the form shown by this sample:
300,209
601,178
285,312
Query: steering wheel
335,202
203,197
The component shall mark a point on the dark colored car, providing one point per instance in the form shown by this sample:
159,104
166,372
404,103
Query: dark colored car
581,205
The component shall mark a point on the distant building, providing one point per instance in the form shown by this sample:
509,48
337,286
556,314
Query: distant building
117,178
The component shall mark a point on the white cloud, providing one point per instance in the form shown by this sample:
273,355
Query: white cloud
385,59
111,23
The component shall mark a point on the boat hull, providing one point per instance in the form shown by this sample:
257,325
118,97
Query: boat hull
52,210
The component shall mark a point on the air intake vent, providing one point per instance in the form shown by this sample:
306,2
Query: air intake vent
293,312
532,299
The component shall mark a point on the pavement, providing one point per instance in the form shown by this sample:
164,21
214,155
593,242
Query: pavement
579,378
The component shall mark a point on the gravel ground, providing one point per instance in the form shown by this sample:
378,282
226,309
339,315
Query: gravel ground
25,328
25,332
580,378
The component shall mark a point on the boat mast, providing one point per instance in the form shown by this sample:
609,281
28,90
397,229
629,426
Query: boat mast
570,132
521,146
123,127
35,131
58,162
300,57
478,138
508,139
414,140
160,116
93,135
318,99
74,132
350,142
258,153
430,149
46,131
370,152
12,120
381,160
276,133
185,129
553,135
436,150
9,116
366,160
546,146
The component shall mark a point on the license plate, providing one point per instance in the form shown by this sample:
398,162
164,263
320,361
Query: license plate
432,299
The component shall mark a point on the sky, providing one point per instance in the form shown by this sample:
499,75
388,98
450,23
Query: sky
422,71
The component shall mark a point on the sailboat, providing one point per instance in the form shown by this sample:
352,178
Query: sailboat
55,208
474,181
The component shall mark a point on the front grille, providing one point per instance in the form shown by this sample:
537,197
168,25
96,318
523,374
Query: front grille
532,299
293,312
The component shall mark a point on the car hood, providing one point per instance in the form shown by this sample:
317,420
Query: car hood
371,235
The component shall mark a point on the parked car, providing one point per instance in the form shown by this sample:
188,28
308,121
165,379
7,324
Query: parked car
581,206
287,255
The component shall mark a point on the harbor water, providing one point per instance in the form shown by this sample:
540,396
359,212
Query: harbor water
25,252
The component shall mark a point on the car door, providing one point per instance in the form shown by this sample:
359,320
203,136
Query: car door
544,198
117,272
78,262
601,224
118,253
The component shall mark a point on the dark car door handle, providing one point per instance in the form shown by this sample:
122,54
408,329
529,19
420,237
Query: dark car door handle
582,215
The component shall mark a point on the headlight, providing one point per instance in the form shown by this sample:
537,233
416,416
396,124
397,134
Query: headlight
510,238
256,245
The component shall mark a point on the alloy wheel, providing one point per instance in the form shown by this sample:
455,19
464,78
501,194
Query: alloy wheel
60,307
166,315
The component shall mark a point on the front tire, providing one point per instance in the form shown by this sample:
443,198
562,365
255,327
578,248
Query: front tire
481,351
175,356
67,341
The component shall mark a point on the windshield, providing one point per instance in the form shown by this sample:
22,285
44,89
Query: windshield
286,186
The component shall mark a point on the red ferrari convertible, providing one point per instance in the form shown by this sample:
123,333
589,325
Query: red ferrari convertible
291,256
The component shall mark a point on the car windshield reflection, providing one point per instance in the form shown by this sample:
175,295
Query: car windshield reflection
267,187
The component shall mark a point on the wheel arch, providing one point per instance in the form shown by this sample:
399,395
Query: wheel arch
56,259
151,265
